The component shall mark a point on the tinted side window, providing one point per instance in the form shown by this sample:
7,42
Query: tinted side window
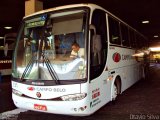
124,34
132,38
114,32
139,41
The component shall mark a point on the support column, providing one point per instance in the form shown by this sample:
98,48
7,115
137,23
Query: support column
32,6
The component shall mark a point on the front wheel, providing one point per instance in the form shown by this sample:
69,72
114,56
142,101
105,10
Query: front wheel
114,92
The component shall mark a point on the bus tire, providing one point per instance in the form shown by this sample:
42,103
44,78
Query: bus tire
116,89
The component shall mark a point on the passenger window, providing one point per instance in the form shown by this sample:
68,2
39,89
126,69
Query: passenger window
140,41
132,38
114,32
124,33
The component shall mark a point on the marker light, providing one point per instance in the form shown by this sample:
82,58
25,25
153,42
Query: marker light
16,92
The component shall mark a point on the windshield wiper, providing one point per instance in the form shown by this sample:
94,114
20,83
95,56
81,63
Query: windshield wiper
51,69
28,69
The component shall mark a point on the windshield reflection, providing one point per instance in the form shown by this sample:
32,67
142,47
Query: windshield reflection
45,47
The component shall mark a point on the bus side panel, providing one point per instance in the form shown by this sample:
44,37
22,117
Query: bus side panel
122,62
100,91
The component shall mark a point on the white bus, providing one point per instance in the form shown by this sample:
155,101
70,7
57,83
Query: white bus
46,79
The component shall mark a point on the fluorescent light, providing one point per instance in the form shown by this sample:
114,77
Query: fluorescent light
141,54
145,21
7,27
1,37
155,36
155,48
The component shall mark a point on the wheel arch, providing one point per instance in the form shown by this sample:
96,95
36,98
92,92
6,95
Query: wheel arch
118,82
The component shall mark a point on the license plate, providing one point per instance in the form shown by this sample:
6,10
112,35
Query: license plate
40,107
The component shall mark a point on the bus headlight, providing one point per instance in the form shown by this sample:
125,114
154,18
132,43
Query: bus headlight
16,92
74,97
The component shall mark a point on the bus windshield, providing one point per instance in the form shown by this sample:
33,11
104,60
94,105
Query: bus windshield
45,44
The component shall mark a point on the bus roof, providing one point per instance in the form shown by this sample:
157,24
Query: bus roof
90,5
64,7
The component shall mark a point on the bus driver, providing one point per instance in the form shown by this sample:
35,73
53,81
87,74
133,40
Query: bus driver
77,51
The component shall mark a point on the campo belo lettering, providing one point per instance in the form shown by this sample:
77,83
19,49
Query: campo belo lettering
51,89
127,57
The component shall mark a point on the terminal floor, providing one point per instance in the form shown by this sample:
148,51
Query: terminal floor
142,99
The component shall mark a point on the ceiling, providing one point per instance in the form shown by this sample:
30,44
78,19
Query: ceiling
130,11
11,13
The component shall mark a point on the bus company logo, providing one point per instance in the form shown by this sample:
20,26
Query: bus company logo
116,57
31,88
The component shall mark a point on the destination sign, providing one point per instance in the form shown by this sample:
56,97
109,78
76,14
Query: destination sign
35,23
